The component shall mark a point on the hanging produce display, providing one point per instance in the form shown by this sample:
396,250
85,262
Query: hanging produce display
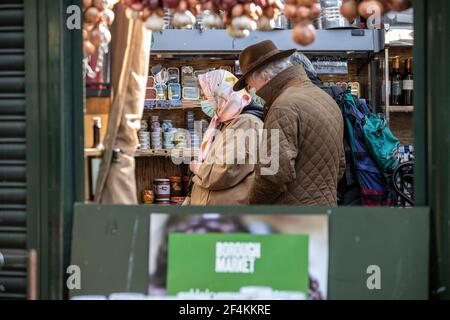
240,17
302,13
98,16
350,9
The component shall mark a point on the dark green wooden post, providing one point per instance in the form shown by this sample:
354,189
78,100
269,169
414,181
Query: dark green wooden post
432,130
438,104
54,93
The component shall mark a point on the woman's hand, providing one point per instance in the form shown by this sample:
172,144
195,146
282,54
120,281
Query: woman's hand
195,167
187,201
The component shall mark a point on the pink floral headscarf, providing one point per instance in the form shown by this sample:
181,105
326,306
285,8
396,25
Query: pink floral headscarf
218,85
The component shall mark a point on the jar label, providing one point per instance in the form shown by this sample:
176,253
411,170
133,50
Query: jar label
162,190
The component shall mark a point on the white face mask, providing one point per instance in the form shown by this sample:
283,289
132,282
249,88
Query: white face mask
209,108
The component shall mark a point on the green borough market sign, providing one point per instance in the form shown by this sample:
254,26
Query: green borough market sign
228,262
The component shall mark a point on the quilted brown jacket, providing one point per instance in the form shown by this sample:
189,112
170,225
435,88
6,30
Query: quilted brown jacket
311,158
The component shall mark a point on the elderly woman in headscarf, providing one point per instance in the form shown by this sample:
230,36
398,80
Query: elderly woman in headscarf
224,171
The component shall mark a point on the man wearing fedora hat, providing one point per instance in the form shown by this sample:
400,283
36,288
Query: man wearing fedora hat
308,127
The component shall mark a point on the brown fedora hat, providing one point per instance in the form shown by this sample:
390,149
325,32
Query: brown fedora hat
256,56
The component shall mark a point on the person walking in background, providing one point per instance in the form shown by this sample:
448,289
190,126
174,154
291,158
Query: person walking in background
224,171
309,127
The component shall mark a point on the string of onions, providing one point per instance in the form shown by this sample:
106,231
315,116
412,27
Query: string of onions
240,17
98,15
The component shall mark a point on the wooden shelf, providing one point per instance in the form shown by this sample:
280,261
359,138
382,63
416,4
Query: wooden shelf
176,108
186,105
401,109
179,153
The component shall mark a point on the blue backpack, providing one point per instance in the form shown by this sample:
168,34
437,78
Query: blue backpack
372,150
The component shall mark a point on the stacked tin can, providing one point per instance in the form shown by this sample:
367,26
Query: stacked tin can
156,133
180,139
195,141
190,122
168,131
190,126
144,136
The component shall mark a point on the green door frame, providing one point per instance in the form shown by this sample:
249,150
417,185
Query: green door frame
54,95
55,134
432,130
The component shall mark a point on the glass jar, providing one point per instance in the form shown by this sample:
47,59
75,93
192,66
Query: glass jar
176,188
162,189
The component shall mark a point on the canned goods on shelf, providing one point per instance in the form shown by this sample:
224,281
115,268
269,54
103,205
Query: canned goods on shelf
162,189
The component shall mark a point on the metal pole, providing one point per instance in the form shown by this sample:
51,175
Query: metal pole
32,275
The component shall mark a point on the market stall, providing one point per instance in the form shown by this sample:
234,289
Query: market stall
348,55
44,211
344,55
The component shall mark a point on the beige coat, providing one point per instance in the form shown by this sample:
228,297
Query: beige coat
222,182
311,152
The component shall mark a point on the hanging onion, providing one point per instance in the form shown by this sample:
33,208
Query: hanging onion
242,16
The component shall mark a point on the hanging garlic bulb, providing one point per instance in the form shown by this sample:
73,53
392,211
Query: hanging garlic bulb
183,20
211,20
103,49
155,23
243,23
265,24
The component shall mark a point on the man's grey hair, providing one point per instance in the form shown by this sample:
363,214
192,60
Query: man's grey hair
299,58
271,70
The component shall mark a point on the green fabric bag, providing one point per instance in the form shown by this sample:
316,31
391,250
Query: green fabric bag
381,142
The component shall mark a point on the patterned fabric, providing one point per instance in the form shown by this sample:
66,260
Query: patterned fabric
217,86
311,158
